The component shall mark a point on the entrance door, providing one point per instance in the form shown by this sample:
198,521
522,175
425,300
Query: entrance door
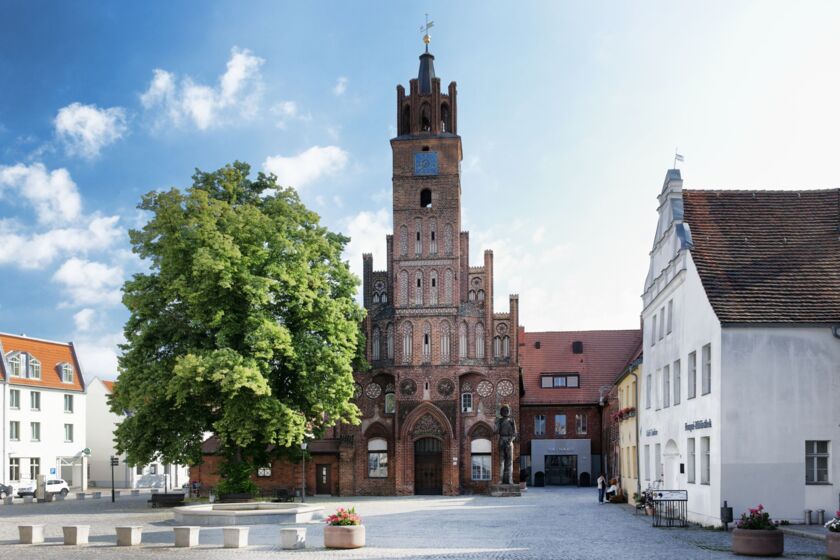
322,479
561,470
428,467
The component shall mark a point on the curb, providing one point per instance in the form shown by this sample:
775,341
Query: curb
802,533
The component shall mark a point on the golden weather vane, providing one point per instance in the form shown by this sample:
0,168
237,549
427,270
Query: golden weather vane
425,30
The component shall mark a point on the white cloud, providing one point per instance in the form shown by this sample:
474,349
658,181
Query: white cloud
340,86
539,235
37,250
89,282
52,194
367,231
84,319
86,129
237,94
98,354
286,111
307,166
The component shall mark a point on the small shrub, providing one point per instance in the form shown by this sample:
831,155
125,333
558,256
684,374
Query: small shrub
756,519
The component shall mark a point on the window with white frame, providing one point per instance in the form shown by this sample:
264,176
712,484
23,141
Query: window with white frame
68,433
560,424
658,459
34,468
692,375
14,469
648,389
68,403
153,468
647,462
66,373
705,461
581,424
377,458
264,471
560,381
35,400
481,458
677,382
14,399
390,403
707,369
653,331
691,460
34,368
657,389
35,431
16,365
816,462
539,425
662,323
14,430
666,386
466,402
670,315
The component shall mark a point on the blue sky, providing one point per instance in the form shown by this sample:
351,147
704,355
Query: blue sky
569,114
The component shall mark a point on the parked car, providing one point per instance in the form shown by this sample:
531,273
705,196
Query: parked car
54,486
6,490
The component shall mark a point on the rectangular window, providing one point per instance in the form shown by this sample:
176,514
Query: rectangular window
35,430
677,383
14,469
35,400
580,424
705,463
662,323
816,462
560,424
692,460
648,386
560,381
657,388
466,402
670,315
377,464
547,382
647,462
692,375
666,386
14,399
658,458
14,430
68,403
707,369
481,466
539,425
139,470
34,468
68,433
653,331
264,472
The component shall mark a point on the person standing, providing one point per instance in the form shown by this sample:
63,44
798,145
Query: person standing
602,487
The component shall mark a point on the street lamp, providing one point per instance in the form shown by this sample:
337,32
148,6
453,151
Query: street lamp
303,447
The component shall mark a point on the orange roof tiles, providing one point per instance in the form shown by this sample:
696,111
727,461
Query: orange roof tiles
109,386
50,354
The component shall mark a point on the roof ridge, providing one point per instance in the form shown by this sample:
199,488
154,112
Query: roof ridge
780,190
24,337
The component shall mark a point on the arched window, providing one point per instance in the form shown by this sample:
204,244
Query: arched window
447,286
462,340
445,123
427,342
447,239
466,402
15,365
480,295
34,371
425,198
418,287
390,403
444,342
403,287
506,347
425,117
408,342
481,453
433,236
66,373
378,458
375,297
497,347
406,120
389,341
384,297
479,341
403,241
418,237
471,295
375,344
433,287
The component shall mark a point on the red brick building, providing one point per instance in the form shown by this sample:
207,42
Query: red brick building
566,377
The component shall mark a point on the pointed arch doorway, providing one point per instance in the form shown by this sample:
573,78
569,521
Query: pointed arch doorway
428,467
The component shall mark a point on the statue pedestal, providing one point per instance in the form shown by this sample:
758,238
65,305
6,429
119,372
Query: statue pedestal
505,490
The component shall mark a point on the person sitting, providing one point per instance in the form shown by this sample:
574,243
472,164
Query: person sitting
613,490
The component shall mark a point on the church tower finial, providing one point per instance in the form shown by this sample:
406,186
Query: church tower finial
425,30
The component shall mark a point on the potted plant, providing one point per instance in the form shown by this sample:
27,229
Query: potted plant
344,530
757,535
647,498
832,540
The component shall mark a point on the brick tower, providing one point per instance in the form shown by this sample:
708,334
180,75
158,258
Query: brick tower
442,361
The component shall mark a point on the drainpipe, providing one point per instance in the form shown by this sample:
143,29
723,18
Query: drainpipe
638,433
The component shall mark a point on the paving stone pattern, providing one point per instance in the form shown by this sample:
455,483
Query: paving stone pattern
565,523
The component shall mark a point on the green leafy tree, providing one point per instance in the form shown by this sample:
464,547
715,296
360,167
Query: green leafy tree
245,326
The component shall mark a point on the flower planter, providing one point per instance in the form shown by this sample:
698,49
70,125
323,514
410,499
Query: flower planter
832,545
346,536
758,542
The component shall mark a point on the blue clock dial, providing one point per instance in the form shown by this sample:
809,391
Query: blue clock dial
426,163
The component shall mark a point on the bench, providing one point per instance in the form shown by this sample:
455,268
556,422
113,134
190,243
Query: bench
129,535
235,498
76,534
282,495
235,537
31,534
186,537
166,500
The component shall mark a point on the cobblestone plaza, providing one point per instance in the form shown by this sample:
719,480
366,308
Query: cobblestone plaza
563,523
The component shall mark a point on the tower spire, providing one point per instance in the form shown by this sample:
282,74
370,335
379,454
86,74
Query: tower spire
425,30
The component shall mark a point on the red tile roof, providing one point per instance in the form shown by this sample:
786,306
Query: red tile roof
768,256
50,354
605,355
109,386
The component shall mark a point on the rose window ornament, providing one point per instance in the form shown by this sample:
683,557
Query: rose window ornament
357,390
373,390
408,387
445,387
484,389
504,388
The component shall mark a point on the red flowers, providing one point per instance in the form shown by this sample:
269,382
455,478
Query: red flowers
757,519
344,517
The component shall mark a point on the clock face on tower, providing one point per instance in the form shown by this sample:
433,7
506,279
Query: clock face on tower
425,163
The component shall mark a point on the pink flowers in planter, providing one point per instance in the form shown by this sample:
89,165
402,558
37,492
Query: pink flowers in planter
344,517
834,525
757,519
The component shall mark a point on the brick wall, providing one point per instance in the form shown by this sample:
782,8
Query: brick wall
593,416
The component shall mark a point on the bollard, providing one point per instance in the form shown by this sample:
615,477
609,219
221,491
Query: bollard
186,537
80,495
31,534
76,534
8,500
28,499
235,537
808,517
821,517
116,493
292,538
129,535
135,492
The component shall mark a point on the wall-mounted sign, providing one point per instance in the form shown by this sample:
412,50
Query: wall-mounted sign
698,425
670,495
652,432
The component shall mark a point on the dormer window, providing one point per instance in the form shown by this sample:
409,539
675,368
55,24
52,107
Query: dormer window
34,369
16,365
66,373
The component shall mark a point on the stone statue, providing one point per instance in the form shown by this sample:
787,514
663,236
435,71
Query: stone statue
506,428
